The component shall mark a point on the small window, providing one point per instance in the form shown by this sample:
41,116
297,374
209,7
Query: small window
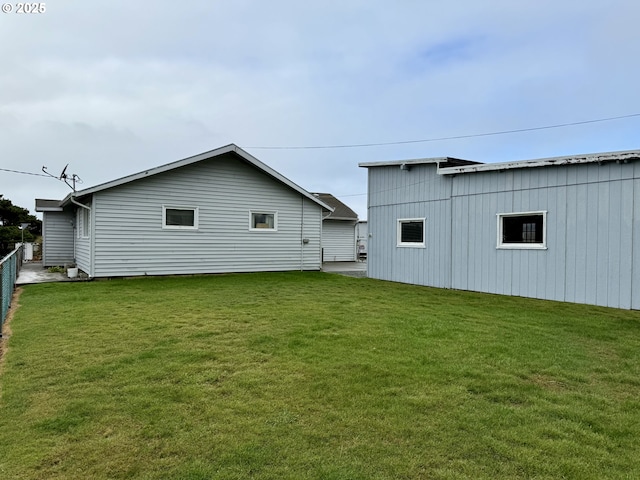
85,215
411,232
263,221
180,218
522,230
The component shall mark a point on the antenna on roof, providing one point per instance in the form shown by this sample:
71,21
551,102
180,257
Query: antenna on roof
63,177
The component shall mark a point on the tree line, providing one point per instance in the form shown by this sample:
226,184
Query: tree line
11,218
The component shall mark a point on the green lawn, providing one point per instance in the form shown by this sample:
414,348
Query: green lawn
312,375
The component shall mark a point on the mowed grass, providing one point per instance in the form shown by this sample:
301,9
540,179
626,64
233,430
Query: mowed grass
314,376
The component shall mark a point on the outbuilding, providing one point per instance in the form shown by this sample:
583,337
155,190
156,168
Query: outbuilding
338,231
563,228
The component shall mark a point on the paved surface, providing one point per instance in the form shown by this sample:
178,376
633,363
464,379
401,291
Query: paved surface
352,269
34,272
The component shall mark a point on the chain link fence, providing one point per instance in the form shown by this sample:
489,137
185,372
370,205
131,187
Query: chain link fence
9,268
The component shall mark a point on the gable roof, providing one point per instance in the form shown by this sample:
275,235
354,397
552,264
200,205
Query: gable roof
48,205
340,210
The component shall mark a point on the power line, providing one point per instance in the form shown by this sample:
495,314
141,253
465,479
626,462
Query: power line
455,137
24,173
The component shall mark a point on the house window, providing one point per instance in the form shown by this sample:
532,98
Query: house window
85,222
263,221
185,218
411,232
522,230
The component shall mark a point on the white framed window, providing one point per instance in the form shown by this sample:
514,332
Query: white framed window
522,230
179,217
411,232
85,222
263,221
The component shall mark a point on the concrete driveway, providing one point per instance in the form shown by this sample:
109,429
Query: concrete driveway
351,269
34,272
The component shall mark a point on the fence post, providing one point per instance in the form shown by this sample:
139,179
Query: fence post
1,298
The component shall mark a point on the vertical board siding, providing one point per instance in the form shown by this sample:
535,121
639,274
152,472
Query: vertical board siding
338,241
425,196
593,231
57,233
129,239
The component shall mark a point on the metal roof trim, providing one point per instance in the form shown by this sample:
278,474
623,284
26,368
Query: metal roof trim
624,156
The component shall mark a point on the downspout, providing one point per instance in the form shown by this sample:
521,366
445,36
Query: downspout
79,204
302,233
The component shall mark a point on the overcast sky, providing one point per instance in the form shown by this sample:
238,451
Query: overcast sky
115,87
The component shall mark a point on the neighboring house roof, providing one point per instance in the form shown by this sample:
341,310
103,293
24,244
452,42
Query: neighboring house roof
453,166
43,205
340,210
48,205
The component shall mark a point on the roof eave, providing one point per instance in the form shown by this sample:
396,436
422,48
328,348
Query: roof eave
622,156
420,161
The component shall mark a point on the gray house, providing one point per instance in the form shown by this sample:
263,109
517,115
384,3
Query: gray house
564,228
338,231
220,211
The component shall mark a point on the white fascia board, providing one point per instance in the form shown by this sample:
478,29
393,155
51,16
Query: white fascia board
544,162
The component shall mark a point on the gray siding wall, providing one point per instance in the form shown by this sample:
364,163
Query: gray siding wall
57,232
83,243
129,239
338,241
419,193
593,232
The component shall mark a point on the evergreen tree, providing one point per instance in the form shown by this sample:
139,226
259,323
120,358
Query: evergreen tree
11,217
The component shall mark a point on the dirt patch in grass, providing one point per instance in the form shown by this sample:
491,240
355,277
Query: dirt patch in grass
548,383
6,327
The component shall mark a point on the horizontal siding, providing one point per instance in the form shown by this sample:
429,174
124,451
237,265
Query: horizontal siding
338,241
57,233
83,245
129,238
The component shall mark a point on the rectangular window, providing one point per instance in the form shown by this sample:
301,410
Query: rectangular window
263,221
185,218
85,226
522,230
411,232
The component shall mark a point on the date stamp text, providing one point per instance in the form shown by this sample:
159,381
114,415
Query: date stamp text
24,8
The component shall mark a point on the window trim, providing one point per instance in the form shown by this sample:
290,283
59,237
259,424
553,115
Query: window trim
85,223
263,212
400,243
196,211
500,245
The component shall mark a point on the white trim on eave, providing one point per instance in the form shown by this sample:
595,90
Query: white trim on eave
622,156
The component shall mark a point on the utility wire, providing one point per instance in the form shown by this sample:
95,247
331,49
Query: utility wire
456,137
24,173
